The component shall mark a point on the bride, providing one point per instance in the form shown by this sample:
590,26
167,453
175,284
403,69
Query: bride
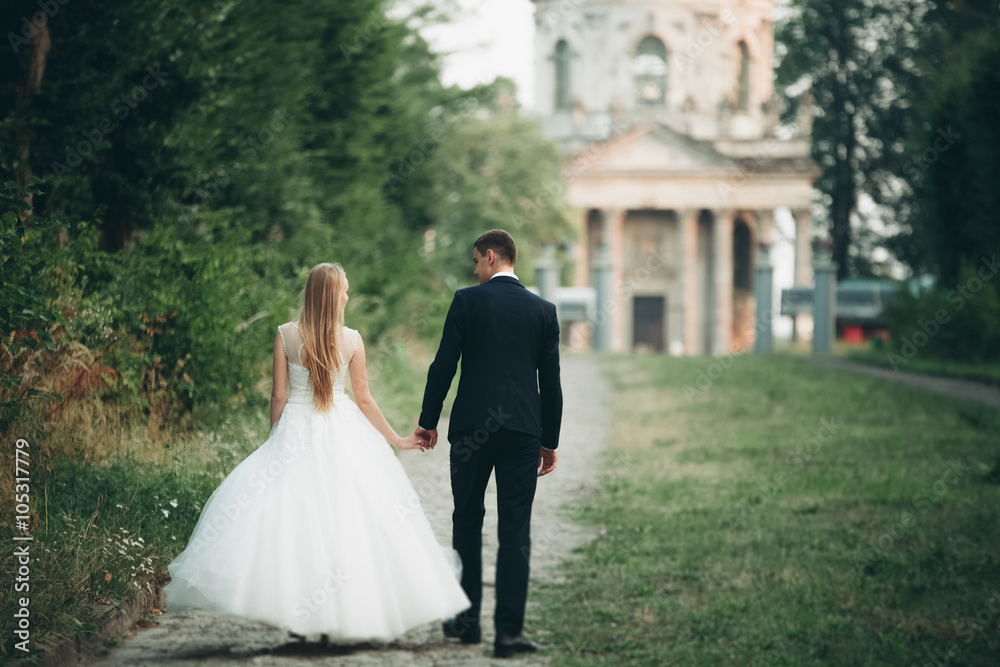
319,530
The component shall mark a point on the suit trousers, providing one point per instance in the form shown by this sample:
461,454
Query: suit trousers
514,456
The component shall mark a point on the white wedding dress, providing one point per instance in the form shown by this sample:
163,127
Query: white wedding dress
319,530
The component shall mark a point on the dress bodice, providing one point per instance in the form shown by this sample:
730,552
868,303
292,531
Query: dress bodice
301,389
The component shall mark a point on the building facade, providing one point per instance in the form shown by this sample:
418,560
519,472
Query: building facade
677,164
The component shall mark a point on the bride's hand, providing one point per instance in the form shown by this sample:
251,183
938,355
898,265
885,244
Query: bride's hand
413,442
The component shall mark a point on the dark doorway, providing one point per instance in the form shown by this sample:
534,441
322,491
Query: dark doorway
647,323
742,256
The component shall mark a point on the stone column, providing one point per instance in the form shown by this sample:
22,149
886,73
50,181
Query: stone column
802,324
581,276
603,305
803,247
688,251
764,339
547,274
722,239
614,234
765,226
824,304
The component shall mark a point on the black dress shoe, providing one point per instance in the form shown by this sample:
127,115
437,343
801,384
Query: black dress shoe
469,633
506,646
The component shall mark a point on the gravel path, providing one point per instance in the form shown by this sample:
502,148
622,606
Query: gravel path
195,638
964,389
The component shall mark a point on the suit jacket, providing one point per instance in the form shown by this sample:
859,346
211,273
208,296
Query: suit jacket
508,340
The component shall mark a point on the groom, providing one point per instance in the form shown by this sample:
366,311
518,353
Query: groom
506,417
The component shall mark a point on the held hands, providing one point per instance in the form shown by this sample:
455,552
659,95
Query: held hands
431,436
413,442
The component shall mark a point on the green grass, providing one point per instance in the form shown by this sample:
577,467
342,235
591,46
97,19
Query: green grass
988,373
733,535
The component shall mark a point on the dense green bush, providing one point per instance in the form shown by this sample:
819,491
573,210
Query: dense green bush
32,268
196,304
960,324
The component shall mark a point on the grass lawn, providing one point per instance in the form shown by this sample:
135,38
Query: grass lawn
988,373
765,511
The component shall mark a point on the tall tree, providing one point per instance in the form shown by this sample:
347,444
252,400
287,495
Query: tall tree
868,64
857,58
955,199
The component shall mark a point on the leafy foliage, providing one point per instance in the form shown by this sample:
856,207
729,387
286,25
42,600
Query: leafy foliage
869,64
222,150
960,324
29,261
955,201
859,60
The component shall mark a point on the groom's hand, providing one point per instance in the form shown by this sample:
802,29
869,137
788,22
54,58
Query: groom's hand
429,435
546,461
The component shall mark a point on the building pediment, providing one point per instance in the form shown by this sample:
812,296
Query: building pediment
649,147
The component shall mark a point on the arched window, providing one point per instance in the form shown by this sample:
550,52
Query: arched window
743,82
650,69
561,57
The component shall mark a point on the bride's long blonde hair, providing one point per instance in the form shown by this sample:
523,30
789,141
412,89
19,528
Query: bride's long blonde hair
320,320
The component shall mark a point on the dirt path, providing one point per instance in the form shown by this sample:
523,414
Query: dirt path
195,638
964,389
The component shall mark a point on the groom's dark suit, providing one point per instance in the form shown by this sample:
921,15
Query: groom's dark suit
509,404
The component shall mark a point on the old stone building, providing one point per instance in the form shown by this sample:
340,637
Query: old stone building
678,163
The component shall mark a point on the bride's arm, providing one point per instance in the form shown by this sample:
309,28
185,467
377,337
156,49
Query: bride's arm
369,408
279,385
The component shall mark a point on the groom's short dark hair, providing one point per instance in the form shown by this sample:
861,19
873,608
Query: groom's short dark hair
500,242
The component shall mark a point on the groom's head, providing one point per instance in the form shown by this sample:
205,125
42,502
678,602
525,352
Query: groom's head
492,252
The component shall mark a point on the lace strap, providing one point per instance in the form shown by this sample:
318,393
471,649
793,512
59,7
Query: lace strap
293,339
283,347
357,335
